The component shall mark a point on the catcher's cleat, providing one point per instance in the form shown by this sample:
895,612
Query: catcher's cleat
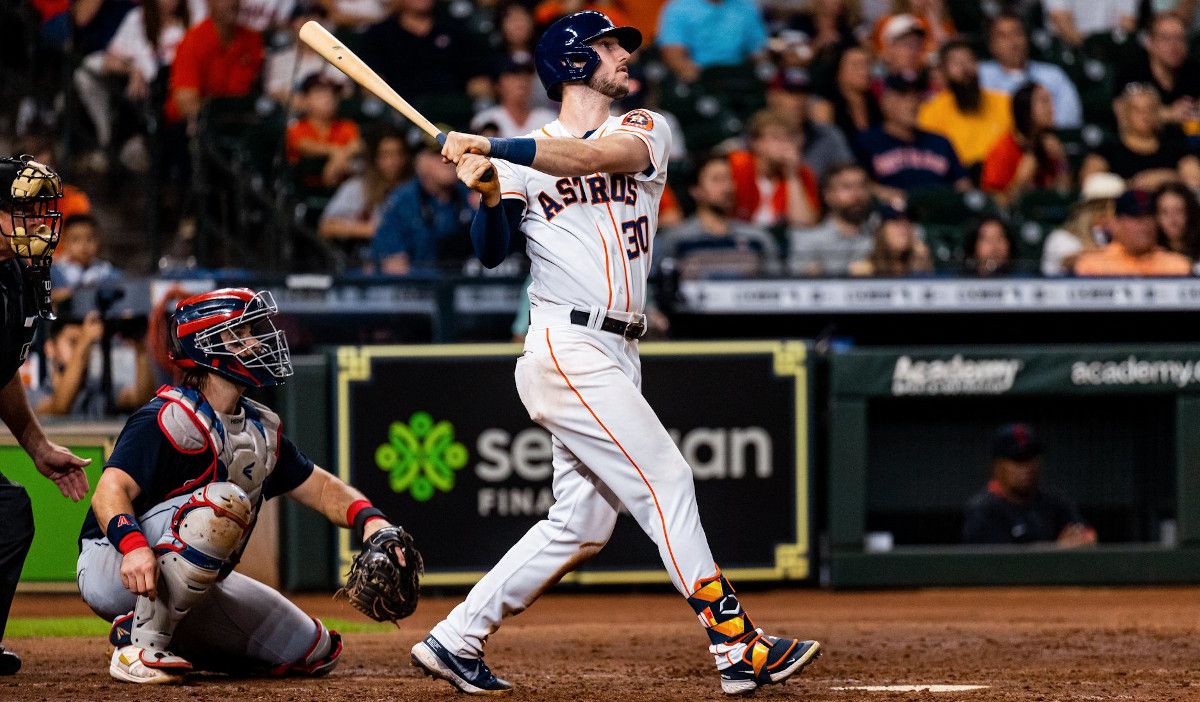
764,660
136,665
469,675
10,663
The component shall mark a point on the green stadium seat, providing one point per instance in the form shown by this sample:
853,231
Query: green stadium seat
943,205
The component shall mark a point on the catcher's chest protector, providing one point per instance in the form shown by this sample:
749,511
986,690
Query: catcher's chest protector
244,447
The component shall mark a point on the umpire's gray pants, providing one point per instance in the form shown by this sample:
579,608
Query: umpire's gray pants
241,626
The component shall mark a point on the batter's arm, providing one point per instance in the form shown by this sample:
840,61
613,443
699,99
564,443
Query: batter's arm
563,158
325,493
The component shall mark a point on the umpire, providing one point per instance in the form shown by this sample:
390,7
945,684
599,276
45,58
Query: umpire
29,222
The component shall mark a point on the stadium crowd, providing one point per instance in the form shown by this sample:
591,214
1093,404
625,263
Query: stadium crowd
813,137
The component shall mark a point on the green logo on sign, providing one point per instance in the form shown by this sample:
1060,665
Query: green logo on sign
421,456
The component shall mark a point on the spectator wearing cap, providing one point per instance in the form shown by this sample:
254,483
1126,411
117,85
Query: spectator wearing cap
772,185
426,222
216,58
320,133
423,55
896,250
1075,20
904,46
902,157
712,244
698,34
1166,68
287,67
970,116
1134,250
1146,152
845,235
1014,509
1030,156
823,145
514,114
928,15
1088,227
1010,68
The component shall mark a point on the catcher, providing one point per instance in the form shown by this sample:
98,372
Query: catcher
178,499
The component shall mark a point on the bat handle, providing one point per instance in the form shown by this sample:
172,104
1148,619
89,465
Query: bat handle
485,178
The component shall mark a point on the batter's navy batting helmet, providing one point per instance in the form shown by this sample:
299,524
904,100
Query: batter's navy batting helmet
564,54
230,332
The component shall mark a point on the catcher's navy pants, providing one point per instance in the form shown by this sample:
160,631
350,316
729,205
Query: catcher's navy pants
16,514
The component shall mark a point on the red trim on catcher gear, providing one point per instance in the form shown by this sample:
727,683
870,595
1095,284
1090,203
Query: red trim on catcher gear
181,665
193,503
243,294
199,325
356,507
317,667
132,542
211,471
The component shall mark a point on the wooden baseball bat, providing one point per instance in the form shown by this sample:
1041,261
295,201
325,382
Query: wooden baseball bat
332,50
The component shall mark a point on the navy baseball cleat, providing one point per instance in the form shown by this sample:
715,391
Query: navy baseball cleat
9,662
470,675
766,660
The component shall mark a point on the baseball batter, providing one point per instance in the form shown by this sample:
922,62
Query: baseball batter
179,497
585,191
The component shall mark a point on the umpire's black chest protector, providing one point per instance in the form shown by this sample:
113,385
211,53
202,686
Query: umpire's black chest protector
18,320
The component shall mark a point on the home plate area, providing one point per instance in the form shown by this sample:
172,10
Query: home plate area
973,645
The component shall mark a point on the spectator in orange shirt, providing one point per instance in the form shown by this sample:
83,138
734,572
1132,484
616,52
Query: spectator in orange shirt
772,186
320,134
217,58
1030,156
548,11
1134,250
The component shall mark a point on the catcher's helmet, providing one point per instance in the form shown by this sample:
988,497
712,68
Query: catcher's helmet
230,332
568,40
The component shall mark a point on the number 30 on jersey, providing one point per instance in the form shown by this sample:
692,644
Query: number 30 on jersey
637,234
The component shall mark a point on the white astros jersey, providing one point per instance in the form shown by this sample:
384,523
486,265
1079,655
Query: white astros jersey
590,238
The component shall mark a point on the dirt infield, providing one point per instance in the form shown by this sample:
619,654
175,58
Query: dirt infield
1023,644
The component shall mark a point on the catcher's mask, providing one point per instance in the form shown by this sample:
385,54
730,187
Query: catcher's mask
30,220
230,332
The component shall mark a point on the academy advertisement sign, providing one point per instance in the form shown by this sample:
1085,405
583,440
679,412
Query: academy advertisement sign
1016,370
438,438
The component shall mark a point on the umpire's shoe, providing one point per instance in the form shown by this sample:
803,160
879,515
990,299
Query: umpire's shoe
10,663
765,660
470,675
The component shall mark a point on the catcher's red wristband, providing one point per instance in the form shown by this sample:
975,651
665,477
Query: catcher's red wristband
356,507
125,533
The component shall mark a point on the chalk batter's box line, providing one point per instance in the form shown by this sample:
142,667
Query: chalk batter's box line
354,364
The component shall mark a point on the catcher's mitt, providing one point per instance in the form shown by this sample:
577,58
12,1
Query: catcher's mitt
377,585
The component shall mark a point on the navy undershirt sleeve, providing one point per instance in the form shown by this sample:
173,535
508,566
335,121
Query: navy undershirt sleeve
492,230
139,446
291,470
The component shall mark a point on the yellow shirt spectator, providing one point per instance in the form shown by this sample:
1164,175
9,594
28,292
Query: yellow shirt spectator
972,134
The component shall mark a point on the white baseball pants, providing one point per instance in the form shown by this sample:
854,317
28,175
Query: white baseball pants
610,449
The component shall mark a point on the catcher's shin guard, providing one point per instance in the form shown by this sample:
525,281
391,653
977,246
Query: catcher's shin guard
205,532
320,658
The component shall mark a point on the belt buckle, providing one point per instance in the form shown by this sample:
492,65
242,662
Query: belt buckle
634,330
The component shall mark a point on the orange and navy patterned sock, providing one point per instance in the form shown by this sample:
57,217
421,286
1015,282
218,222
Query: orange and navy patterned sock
717,606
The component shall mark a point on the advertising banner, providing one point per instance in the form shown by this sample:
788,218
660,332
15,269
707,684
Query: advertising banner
1159,369
437,437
